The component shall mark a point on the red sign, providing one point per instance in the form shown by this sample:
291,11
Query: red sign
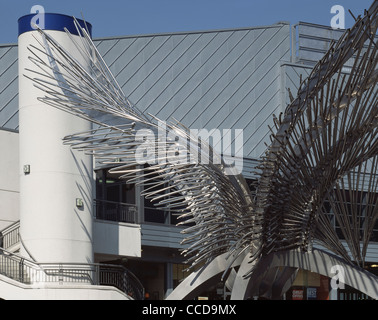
297,294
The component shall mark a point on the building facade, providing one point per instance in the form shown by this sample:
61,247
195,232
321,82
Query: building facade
222,79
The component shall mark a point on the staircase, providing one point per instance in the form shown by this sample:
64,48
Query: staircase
14,267
27,272
10,237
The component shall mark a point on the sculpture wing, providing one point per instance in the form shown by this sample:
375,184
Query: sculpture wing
178,171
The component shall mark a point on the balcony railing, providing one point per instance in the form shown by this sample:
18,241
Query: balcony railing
115,211
25,271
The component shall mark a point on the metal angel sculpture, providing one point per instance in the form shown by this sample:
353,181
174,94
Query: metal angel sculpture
323,154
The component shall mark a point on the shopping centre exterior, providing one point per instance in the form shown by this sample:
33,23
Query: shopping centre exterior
64,213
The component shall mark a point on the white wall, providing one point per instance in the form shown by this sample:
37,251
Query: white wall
117,238
9,181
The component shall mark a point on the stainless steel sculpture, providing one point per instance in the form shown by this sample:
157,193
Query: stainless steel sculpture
324,151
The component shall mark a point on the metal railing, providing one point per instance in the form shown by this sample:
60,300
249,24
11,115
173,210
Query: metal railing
115,211
10,236
28,272
25,271
121,278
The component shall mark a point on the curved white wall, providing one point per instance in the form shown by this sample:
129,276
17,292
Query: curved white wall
52,227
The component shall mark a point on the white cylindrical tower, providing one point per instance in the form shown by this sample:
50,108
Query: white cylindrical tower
55,181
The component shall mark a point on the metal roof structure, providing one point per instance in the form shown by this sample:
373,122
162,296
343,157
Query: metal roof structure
215,79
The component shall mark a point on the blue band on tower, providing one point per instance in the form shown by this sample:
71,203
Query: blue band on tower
51,21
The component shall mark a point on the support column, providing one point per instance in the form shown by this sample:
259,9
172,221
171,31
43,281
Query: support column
55,182
168,279
139,200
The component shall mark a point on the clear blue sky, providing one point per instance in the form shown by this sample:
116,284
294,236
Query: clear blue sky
134,17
